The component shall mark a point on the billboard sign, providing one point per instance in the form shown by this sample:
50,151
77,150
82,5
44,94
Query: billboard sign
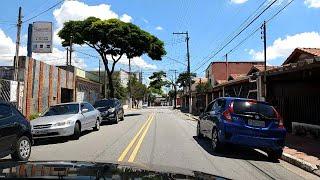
42,37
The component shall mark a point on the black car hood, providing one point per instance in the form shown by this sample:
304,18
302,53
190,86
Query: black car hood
102,109
95,170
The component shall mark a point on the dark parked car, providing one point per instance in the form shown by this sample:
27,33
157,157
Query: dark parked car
110,109
15,133
243,122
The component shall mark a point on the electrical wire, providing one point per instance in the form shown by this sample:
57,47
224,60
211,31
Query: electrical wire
243,29
37,15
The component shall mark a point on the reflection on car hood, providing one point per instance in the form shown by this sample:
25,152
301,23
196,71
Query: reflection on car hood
51,119
102,109
89,170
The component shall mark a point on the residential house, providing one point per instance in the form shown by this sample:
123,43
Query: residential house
217,72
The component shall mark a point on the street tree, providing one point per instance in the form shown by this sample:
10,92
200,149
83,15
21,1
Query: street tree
112,39
203,87
139,90
183,79
157,81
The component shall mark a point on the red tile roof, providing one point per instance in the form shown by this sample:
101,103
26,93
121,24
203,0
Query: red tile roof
295,55
313,51
219,68
259,68
236,76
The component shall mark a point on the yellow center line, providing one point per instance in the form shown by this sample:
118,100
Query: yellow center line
136,149
124,153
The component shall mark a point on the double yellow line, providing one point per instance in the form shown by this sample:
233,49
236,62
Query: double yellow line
134,153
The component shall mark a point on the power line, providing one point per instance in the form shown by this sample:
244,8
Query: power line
256,30
280,11
55,5
243,29
175,60
240,26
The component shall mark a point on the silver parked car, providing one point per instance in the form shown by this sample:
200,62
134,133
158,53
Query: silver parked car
67,119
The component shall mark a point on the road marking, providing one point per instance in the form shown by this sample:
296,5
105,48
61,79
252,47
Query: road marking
124,153
136,149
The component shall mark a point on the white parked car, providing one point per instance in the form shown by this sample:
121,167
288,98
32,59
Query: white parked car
67,119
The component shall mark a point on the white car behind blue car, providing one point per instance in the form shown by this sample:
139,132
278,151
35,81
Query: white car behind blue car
67,119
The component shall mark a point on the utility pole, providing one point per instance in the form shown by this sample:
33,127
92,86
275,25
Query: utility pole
227,68
265,58
99,73
175,87
70,53
188,68
129,80
67,58
16,60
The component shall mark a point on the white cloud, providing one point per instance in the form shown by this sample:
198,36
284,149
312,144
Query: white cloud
238,1
58,58
281,48
126,18
312,3
75,10
145,21
8,48
138,62
159,28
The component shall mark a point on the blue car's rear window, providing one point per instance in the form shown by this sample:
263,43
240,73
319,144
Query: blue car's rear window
247,107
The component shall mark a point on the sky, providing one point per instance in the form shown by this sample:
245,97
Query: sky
208,22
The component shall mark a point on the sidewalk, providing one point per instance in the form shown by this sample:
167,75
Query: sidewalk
303,152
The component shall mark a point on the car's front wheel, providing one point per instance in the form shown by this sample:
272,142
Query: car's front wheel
76,131
116,118
22,149
97,126
199,135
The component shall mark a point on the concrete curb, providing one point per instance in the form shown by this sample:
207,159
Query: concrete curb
301,164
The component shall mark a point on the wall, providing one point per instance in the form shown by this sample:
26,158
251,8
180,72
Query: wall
43,85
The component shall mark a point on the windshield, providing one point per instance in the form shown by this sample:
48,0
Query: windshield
62,110
104,103
247,107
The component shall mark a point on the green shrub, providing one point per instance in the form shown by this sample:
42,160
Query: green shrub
33,116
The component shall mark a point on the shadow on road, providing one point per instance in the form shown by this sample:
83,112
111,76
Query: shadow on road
232,151
56,140
132,114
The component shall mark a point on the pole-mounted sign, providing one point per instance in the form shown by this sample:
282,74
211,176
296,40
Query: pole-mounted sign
42,37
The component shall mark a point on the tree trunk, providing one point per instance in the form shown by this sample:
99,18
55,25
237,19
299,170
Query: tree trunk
111,87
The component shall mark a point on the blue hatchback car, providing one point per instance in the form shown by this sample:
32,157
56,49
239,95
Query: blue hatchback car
244,122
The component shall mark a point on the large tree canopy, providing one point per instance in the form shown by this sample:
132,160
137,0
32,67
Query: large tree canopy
112,39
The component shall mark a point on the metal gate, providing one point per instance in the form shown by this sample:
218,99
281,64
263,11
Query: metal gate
9,90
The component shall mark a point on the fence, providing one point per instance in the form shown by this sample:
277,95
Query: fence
8,92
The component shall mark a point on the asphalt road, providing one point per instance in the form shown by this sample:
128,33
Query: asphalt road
161,136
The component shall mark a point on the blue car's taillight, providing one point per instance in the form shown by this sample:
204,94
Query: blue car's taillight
227,112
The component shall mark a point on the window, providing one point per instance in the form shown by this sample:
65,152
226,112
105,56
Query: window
104,103
62,109
249,107
209,107
88,106
5,111
219,103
